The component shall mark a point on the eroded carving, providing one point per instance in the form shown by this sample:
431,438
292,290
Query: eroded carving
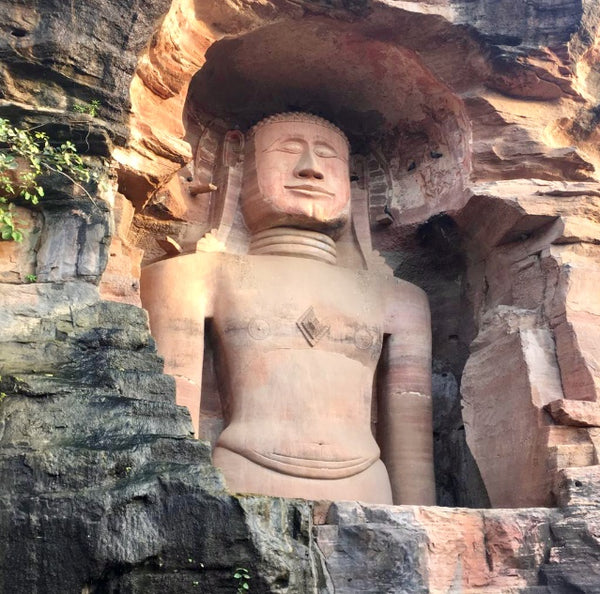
311,327
299,331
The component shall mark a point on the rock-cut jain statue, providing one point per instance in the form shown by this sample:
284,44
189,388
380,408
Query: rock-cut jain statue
299,337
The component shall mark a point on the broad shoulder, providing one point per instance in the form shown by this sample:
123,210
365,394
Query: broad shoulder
406,306
201,262
397,288
188,279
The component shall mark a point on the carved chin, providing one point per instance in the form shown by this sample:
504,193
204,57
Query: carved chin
313,219
313,222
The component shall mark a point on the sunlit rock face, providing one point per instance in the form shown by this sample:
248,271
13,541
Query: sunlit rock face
470,141
474,131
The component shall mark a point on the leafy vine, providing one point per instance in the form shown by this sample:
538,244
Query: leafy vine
26,154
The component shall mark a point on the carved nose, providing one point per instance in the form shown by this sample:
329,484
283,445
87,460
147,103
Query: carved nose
307,167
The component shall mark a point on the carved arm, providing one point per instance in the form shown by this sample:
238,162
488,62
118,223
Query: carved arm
405,431
177,294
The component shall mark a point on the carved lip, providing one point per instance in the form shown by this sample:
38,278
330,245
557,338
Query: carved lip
307,188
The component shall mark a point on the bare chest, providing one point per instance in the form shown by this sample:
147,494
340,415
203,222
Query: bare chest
274,302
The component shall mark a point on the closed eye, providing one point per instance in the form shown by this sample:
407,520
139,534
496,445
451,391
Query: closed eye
325,151
290,146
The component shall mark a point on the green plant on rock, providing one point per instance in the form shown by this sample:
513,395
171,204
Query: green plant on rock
8,226
92,108
26,154
242,576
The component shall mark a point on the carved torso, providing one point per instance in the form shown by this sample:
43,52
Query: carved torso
297,345
298,363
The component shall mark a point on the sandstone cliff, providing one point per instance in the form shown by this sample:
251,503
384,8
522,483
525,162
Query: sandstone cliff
478,130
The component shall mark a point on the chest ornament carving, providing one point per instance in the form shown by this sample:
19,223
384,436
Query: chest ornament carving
363,339
259,329
311,327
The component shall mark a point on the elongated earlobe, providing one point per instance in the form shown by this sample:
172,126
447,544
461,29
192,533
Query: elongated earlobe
229,185
233,148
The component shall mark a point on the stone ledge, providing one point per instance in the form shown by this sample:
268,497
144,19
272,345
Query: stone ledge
576,413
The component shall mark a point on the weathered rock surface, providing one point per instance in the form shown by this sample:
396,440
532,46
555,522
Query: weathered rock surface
120,279
101,488
575,412
533,246
454,119
406,550
51,59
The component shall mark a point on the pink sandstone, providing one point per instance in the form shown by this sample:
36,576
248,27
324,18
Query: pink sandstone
299,337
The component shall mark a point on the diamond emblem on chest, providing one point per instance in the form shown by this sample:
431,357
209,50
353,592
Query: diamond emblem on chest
311,327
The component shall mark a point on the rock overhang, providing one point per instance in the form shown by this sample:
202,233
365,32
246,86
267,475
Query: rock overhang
367,85
379,75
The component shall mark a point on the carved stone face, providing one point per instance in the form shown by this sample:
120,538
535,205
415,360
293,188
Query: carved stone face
296,174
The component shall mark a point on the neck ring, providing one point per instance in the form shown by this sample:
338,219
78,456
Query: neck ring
290,241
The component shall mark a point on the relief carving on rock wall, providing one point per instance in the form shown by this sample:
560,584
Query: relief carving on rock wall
207,113
472,168
493,103
297,327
